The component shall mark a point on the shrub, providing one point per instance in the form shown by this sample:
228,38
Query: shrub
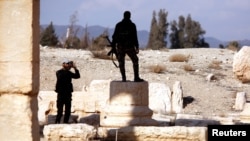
215,64
101,54
157,68
188,67
178,58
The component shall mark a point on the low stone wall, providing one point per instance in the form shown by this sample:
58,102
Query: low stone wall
84,132
88,105
94,99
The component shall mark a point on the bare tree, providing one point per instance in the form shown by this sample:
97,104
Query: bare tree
85,41
72,41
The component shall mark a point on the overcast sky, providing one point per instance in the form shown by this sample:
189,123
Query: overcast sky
223,19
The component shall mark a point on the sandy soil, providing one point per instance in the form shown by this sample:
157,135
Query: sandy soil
215,97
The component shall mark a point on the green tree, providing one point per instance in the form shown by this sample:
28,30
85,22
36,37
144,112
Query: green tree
173,36
163,28
153,32
48,36
188,33
181,31
194,34
158,31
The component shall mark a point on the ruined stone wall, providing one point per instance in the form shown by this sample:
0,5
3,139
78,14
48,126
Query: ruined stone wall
19,69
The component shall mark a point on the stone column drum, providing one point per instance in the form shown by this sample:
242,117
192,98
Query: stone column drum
127,105
19,70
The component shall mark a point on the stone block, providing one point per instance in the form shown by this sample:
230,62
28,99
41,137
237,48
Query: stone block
68,132
245,114
85,132
131,111
97,95
160,98
24,80
152,133
241,64
240,100
20,25
123,121
18,116
19,51
129,93
127,106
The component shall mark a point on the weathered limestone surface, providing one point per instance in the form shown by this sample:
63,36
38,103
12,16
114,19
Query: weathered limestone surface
177,98
18,122
128,93
245,114
96,96
84,132
162,101
160,97
241,64
152,133
19,69
68,132
240,101
127,105
19,46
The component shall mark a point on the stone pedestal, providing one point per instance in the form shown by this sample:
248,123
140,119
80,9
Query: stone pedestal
127,105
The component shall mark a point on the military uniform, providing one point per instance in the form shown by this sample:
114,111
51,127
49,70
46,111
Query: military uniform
126,42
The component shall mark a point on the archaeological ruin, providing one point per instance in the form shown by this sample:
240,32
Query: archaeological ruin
126,115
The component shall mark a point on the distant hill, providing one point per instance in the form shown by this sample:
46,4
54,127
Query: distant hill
96,30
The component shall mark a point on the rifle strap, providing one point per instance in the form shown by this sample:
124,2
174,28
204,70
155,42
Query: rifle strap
114,60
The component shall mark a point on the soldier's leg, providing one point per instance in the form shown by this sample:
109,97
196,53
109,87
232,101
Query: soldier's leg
121,60
135,60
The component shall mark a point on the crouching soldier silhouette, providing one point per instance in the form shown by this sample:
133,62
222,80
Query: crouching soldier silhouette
64,89
125,40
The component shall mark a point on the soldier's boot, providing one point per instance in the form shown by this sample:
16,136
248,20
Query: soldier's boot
136,74
123,74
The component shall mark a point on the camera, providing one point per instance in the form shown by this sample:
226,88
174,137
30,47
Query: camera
71,63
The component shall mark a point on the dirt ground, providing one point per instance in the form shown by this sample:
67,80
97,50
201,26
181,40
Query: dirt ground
208,98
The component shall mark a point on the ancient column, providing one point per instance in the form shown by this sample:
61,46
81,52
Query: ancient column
19,70
127,105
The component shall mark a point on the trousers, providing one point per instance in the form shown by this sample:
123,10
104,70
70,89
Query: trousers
121,52
63,102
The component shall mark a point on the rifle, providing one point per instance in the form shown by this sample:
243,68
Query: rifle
112,51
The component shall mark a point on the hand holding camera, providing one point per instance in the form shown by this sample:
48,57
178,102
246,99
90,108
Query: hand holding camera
72,64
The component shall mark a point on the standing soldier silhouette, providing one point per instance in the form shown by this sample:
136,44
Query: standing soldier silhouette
126,41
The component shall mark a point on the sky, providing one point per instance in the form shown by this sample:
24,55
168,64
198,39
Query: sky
226,20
